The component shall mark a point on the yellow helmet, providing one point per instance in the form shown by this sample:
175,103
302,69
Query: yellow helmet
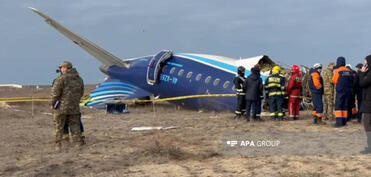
276,69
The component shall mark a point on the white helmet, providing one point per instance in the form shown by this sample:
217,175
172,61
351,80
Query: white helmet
349,65
317,65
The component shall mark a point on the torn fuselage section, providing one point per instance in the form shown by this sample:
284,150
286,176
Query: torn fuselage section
155,65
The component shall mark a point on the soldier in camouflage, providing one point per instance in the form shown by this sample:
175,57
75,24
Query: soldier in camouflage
66,94
329,92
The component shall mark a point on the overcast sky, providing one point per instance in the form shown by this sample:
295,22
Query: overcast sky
289,31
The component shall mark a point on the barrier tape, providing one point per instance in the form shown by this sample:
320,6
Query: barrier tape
38,99
17,98
45,98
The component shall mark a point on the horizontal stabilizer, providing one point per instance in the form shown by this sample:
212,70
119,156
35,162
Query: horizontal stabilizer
102,55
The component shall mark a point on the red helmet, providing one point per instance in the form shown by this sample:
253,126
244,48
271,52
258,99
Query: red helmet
295,68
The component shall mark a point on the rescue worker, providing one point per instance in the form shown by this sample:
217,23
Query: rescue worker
365,84
294,89
239,85
66,94
343,81
352,108
358,92
316,88
329,91
259,106
254,91
275,91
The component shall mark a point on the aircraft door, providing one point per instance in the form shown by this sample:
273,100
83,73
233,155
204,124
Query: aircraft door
154,66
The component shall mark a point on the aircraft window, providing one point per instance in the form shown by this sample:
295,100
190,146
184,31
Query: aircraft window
208,79
216,82
189,75
181,72
226,84
172,70
198,77
164,68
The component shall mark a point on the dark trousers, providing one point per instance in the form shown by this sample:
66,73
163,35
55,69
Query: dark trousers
275,106
259,108
317,105
352,109
252,105
359,103
241,104
341,108
366,119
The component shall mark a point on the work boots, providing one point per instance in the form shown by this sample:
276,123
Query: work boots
315,120
237,116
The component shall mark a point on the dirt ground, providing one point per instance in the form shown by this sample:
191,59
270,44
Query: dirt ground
192,149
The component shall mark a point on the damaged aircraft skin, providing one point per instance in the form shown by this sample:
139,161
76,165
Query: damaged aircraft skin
165,74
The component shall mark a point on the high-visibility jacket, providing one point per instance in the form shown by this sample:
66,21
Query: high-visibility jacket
239,85
343,79
294,85
315,82
275,85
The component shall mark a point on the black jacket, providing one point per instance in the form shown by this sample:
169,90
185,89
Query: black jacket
365,83
254,85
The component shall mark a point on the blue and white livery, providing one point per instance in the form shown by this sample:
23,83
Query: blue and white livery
165,74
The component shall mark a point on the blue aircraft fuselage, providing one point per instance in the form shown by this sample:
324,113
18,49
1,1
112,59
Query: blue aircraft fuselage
184,75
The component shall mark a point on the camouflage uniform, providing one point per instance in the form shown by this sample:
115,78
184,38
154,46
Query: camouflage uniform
329,92
67,90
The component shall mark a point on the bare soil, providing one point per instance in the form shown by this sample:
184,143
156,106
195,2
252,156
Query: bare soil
193,149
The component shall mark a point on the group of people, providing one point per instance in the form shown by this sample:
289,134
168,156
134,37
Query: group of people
251,92
340,82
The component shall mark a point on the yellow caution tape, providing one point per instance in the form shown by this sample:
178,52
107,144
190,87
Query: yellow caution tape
46,98
18,98
37,99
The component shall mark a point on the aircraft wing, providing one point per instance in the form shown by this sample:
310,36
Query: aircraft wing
102,55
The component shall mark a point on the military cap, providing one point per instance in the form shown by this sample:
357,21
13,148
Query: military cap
359,65
331,64
66,64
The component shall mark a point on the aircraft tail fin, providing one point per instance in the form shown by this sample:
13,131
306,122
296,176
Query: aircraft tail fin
102,55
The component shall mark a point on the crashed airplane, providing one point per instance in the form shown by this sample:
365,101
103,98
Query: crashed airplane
165,74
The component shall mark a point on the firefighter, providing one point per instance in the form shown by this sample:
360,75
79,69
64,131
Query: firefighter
294,89
343,80
275,91
239,84
316,88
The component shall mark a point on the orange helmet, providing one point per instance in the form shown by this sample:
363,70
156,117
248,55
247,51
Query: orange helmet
295,68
